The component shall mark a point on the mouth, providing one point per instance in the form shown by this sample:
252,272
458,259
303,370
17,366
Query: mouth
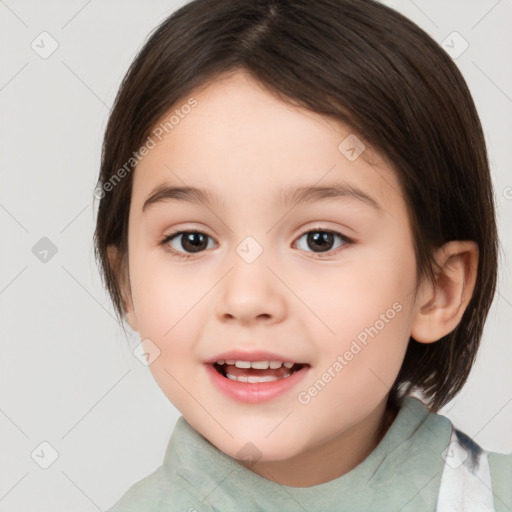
255,372
255,377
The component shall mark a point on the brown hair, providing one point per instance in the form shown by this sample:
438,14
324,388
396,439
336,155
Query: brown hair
365,65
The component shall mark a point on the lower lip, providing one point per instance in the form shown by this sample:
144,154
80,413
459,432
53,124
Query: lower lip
254,392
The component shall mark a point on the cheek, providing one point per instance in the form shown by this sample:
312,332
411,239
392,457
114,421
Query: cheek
166,299
351,296
367,306
168,305
358,367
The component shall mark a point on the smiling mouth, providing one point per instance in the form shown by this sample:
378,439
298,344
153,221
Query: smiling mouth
254,372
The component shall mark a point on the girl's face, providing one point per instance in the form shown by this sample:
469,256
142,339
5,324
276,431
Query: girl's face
270,270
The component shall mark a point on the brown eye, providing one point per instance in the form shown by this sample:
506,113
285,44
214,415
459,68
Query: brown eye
187,242
321,240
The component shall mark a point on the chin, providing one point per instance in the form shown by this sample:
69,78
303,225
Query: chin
252,437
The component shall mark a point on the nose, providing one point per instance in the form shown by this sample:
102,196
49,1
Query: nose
251,293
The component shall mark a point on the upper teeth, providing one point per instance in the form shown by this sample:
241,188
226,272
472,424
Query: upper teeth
258,365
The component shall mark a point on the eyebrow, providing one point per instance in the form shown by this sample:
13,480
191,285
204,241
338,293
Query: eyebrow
293,195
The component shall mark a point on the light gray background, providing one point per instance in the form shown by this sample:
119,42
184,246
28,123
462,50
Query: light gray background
67,375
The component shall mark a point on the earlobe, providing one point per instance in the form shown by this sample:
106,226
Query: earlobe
123,279
441,304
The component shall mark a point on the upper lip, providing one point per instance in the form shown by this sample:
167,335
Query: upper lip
258,355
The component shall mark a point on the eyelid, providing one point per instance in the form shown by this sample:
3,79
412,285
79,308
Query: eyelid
176,234
318,226
332,252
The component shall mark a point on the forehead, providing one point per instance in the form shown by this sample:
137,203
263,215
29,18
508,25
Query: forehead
240,141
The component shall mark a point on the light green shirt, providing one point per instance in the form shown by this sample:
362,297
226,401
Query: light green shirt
422,464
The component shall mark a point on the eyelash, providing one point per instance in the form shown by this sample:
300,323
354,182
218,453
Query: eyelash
186,256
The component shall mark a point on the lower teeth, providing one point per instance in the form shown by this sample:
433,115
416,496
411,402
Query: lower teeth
254,380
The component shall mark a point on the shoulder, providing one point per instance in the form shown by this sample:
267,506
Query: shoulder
474,476
167,489
469,477
501,474
160,491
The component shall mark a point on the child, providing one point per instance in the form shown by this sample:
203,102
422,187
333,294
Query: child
329,158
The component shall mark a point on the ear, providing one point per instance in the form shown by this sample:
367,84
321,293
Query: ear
123,280
441,304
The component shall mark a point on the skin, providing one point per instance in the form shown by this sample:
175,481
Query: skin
245,145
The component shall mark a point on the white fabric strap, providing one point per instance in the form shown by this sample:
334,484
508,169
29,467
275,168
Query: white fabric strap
466,480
